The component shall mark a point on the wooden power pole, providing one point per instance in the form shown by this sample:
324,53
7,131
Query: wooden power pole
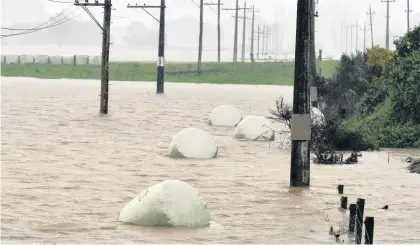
364,36
371,25
408,15
313,72
263,41
235,39
259,33
161,47
301,119
387,22
218,4
243,34
253,34
235,35
106,37
200,38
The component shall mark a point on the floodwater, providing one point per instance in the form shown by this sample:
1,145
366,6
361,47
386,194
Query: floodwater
67,171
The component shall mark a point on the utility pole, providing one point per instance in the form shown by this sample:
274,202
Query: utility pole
259,33
263,41
342,37
218,4
364,36
313,72
408,15
301,119
357,36
244,18
200,38
235,38
161,48
266,39
387,22
347,39
243,34
253,33
106,37
371,25
351,37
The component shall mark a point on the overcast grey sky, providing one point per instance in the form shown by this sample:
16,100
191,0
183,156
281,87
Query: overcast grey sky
332,15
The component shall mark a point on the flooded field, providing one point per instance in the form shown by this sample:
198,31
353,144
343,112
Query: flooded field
66,171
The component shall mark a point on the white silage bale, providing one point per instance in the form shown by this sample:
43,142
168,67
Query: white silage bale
26,59
12,59
56,60
69,60
81,59
41,59
95,60
168,203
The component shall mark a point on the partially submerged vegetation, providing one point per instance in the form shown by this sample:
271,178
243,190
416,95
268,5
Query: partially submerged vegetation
371,101
278,73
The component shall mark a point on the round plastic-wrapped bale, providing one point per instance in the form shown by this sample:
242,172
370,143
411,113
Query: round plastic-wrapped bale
225,115
81,59
317,117
56,60
193,143
41,59
26,59
95,60
254,128
11,59
169,203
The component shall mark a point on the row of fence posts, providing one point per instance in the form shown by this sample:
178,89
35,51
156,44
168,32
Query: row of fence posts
356,212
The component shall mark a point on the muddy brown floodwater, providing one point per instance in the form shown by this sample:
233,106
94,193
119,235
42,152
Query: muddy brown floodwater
66,171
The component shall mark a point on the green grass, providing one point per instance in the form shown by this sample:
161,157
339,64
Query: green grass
279,73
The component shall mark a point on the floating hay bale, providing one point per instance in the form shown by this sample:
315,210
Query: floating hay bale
254,128
225,115
193,143
169,203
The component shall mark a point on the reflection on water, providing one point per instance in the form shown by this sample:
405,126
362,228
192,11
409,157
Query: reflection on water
67,172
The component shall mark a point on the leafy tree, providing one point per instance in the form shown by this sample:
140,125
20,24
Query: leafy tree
404,79
378,57
409,43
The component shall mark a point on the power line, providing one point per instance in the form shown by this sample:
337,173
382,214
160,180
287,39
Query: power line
55,1
60,22
39,26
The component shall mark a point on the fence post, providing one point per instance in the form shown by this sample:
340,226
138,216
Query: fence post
360,208
344,202
340,189
352,216
369,226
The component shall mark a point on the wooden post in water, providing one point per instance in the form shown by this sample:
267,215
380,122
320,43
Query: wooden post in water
369,226
352,217
343,202
360,209
340,189
301,119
